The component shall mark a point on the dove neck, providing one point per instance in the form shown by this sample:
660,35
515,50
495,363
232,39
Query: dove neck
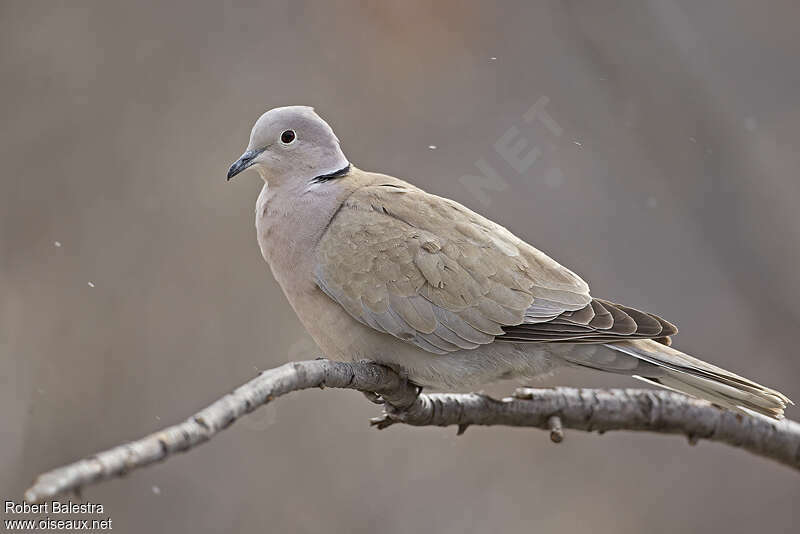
316,166
290,220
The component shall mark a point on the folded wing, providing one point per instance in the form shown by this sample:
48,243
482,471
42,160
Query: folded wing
431,272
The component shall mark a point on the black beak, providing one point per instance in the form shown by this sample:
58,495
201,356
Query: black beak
244,162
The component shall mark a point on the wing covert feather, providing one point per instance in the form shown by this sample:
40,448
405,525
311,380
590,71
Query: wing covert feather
431,272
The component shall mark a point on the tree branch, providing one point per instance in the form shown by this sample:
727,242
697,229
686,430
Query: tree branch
549,409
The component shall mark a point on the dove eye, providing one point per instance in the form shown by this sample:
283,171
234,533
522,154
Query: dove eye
288,136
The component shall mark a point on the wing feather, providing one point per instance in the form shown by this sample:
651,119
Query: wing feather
615,324
431,272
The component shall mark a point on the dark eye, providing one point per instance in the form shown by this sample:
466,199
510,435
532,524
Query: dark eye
288,136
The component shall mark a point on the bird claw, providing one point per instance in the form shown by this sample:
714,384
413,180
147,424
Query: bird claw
382,421
373,397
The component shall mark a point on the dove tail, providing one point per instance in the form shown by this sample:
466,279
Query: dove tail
666,367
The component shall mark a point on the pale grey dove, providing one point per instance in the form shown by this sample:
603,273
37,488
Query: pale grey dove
378,269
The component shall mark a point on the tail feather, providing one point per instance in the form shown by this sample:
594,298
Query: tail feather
672,369
719,394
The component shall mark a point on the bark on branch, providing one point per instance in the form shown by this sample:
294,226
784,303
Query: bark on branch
549,409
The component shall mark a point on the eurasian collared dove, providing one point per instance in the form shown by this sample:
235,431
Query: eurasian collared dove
378,269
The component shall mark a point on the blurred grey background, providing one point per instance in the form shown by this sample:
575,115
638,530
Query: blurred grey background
132,291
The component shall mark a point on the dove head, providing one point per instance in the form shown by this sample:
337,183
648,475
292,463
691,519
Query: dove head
292,143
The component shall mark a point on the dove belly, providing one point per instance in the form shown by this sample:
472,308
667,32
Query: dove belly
342,337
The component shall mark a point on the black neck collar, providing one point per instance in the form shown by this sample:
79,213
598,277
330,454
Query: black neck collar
332,175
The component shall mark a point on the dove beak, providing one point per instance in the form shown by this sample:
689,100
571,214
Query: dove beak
247,159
